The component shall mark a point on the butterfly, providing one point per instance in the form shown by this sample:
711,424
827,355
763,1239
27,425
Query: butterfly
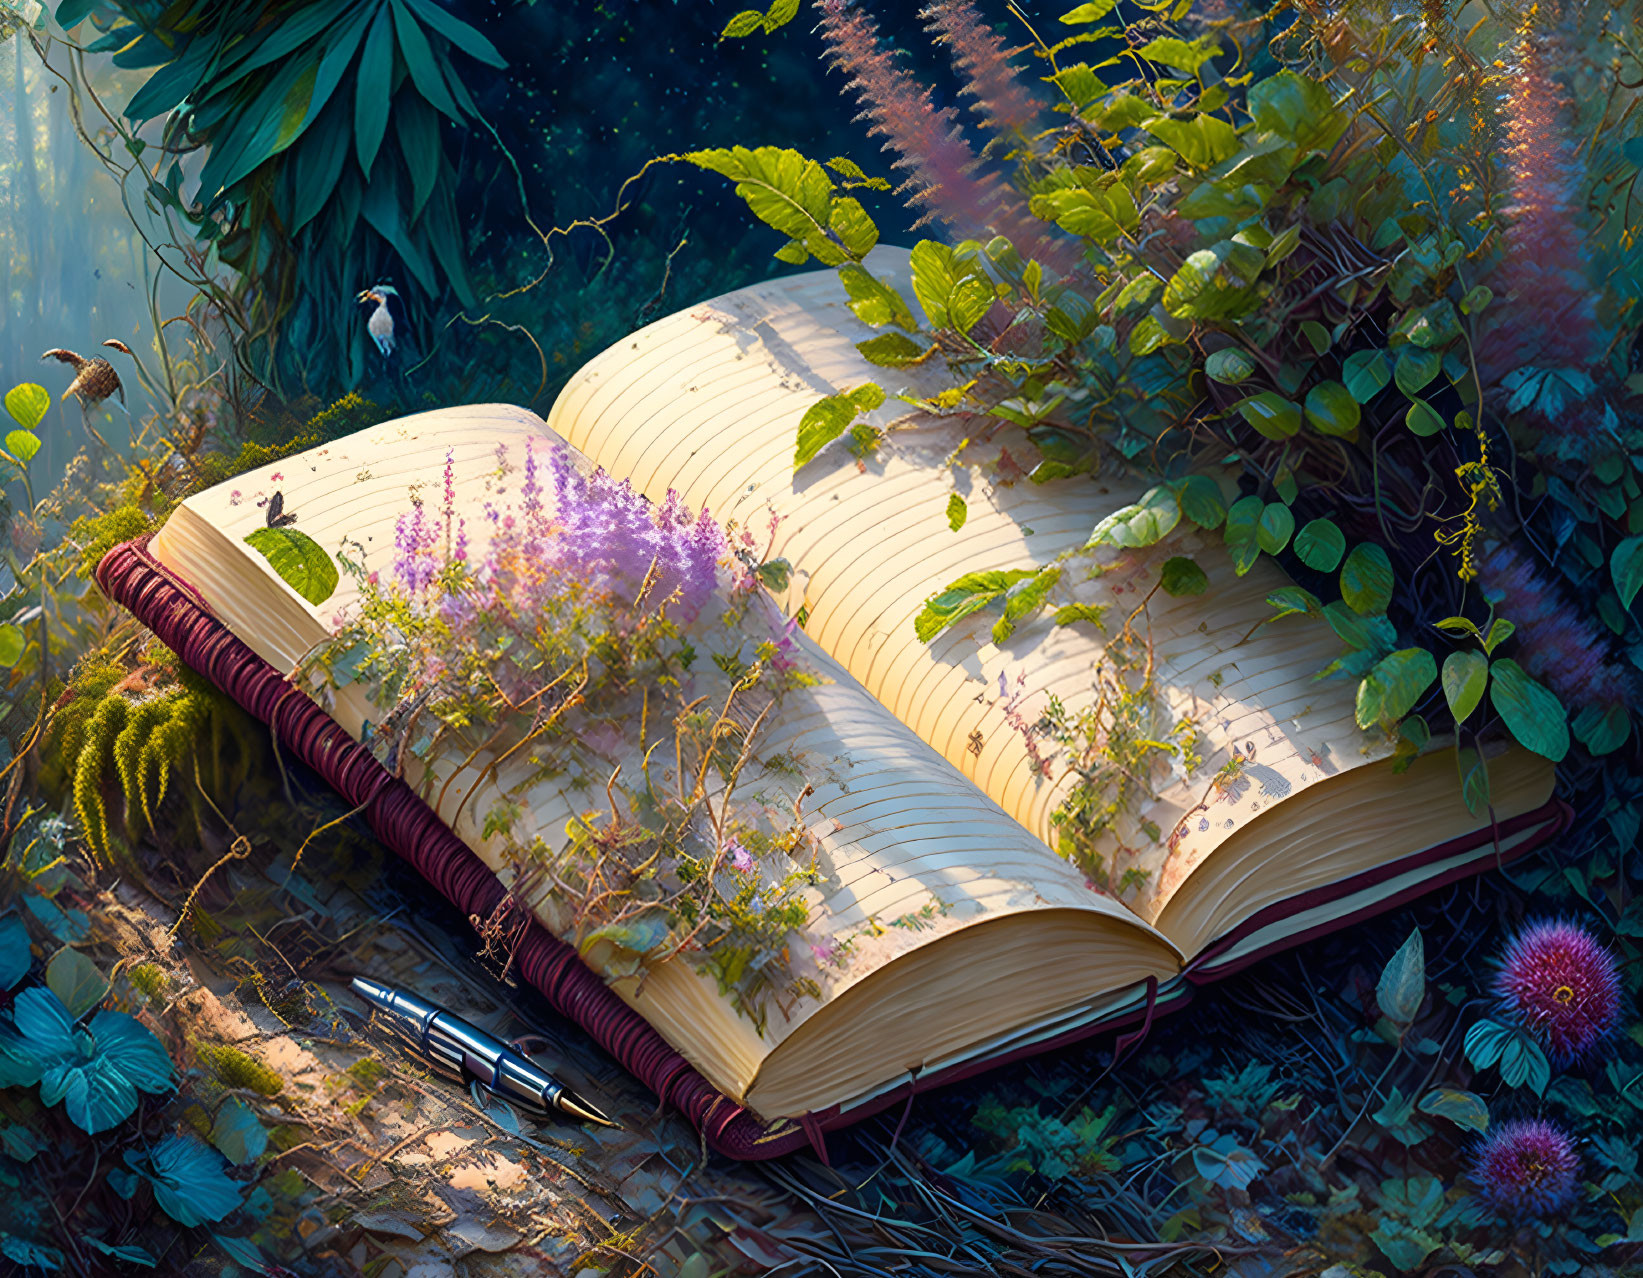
277,518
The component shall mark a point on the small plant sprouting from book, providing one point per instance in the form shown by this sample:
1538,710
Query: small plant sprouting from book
597,645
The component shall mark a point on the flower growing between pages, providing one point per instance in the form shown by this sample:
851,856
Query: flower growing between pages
585,678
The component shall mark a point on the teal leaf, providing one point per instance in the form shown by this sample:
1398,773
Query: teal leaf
129,1048
15,955
1533,713
190,1184
239,1133
28,404
45,1025
1465,676
298,560
1320,545
371,92
1463,1108
1293,600
1402,986
1626,568
1365,374
1366,579
420,147
1416,367
459,33
129,1253
1602,729
419,59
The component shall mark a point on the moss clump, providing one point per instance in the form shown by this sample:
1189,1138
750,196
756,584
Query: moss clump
96,535
234,1068
149,981
367,1072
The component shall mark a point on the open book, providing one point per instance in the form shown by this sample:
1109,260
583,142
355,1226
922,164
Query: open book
964,935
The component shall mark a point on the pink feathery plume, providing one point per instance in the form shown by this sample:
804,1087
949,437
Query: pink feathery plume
1550,319
929,143
999,98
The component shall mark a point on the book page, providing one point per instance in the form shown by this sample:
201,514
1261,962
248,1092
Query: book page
908,851
708,402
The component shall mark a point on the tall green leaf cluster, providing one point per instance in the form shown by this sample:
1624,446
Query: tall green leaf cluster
324,124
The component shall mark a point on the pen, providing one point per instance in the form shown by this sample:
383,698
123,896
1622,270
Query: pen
451,1042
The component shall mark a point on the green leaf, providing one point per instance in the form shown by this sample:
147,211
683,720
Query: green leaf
1201,500
1423,419
1203,141
1415,369
75,980
970,593
1214,283
954,294
1402,986
827,419
458,33
1179,53
1464,1109
1144,523
1320,545
1500,630
1391,689
1271,414
1093,11
743,24
1477,299
1299,109
853,227
188,1178
892,350
1332,410
873,301
1474,779
417,128
957,511
28,404
239,1133
1229,366
1276,525
1317,336
1366,579
1535,716
1626,568
298,560
1183,576
1465,676
419,60
785,190
12,644
1022,599
1365,374
1243,520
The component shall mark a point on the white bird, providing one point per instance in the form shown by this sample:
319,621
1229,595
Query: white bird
380,324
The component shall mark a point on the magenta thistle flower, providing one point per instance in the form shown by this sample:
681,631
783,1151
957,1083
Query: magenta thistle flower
741,860
1527,1168
1561,984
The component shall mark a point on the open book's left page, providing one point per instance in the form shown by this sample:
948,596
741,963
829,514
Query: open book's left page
900,853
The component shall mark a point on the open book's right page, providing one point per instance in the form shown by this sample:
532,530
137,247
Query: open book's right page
707,402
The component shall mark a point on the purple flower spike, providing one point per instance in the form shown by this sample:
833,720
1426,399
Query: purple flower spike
1563,985
1527,1168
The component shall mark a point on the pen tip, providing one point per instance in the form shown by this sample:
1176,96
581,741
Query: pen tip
576,1107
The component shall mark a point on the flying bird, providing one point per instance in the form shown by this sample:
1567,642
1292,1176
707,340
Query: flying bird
94,381
380,323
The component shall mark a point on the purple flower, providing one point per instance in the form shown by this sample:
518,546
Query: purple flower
1527,1168
1559,646
741,860
1560,983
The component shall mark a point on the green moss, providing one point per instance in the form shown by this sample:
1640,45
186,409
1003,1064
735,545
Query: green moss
367,1072
96,535
234,1068
148,980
